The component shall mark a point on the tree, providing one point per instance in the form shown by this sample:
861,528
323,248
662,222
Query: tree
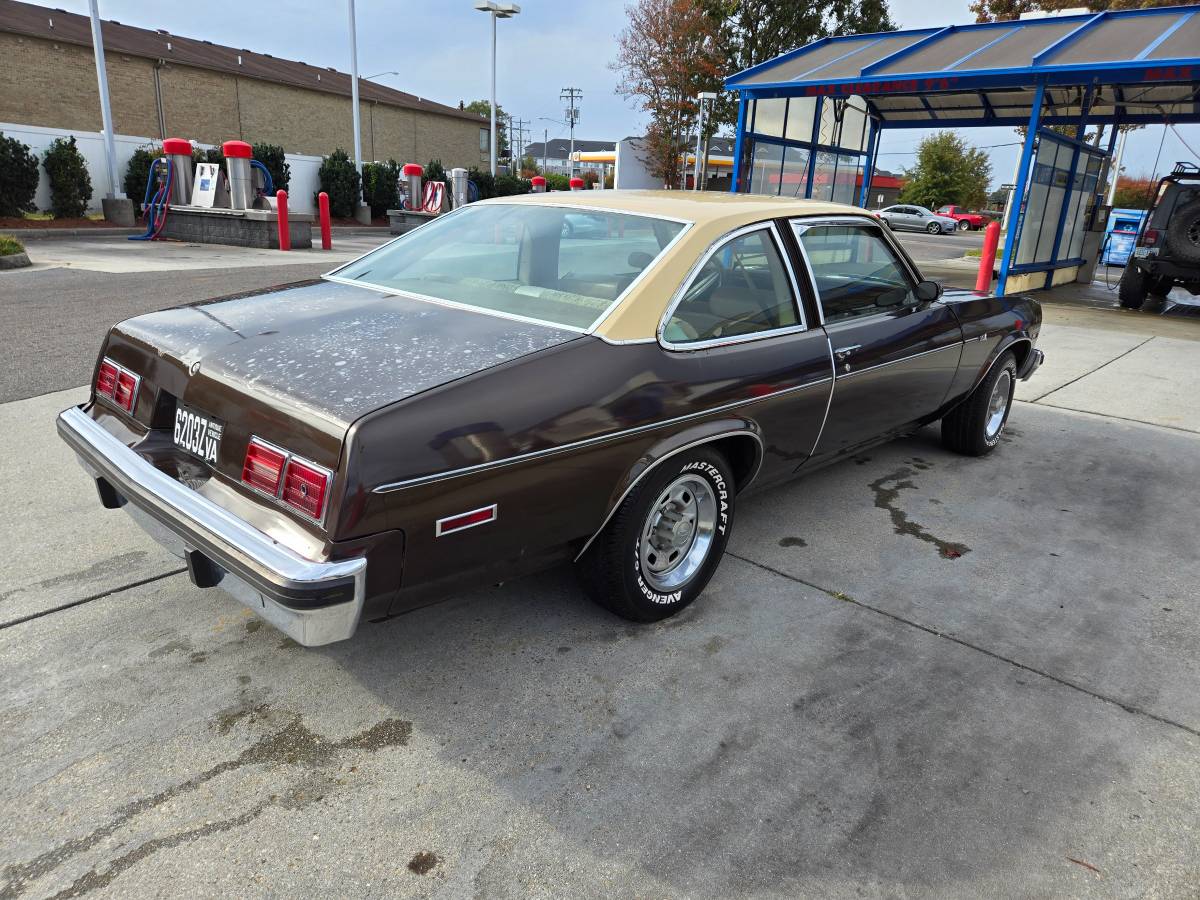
70,184
338,177
947,171
381,189
1134,193
484,109
1003,10
668,53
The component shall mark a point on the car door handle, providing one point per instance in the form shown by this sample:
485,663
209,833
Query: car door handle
842,352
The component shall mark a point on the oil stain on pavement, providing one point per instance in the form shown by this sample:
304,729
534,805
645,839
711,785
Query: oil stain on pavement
293,745
887,491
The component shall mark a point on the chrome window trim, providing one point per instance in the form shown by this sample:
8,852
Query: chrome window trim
389,487
708,253
650,468
829,399
802,224
687,224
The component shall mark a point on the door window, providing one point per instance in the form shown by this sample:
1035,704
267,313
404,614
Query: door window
855,271
741,289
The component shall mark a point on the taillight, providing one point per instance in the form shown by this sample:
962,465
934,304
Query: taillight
1151,237
106,379
263,467
118,384
304,487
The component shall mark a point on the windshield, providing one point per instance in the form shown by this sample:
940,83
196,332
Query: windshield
552,264
945,209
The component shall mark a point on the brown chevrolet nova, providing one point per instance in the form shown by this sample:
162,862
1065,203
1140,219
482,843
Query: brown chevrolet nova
588,376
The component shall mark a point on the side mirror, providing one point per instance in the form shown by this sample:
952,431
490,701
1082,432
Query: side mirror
928,291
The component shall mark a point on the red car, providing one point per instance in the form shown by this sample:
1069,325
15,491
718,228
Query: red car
967,221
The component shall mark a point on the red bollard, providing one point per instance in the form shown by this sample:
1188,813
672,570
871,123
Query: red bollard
285,237
987,259
323,208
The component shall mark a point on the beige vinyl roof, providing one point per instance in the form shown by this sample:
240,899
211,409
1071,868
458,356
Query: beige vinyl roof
709,215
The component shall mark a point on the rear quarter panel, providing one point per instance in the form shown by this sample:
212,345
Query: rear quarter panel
990,326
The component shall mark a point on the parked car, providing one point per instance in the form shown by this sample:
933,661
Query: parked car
967,221
1167,250
484,397
905,217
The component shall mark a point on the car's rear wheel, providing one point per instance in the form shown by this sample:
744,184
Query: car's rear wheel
1133,288
933,228
964,225
659,550
975,425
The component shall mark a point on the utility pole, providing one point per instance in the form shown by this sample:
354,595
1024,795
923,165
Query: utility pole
545,148
570,95
518,143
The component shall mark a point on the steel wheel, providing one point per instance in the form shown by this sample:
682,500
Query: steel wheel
677,533
998,404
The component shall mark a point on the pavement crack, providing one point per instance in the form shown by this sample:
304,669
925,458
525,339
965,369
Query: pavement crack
1095,370
294,745
937,632
100,596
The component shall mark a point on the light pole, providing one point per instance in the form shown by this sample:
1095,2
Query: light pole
700,98
354,103
110,148
497,11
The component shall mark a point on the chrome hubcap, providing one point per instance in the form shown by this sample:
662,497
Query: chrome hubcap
998,404
678,533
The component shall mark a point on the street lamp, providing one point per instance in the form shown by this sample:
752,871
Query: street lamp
497,11
377,74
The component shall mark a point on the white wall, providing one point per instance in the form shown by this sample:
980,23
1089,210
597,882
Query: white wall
631,170
301,190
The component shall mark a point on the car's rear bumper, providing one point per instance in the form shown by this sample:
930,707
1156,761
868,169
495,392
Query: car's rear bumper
312,602
1035,358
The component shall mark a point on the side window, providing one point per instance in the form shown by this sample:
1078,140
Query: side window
855,272
742,289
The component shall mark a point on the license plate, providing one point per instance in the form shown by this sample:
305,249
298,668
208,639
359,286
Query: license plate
198,434
1141,252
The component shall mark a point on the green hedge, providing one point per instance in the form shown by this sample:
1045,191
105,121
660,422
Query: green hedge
339,179
70,185
381,187
18,177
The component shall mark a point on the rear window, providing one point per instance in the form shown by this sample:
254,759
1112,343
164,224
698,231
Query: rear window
551,264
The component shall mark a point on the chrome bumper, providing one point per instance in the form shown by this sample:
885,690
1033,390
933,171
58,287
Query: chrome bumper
1032,361
313,603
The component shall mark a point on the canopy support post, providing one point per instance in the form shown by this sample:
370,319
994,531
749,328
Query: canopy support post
1085,108
1018,197
739,138
869,165
812,148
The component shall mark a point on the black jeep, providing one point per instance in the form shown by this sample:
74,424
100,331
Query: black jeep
1167,252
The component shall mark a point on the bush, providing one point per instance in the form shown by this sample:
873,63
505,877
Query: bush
510,185
556,182
18,177
70,185
435,171
10,246
138,172
484,183
272,156
339,179
381,186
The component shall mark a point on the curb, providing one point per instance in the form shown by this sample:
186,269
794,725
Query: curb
37,234
349,230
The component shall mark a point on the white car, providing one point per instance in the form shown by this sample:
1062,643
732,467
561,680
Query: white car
905,217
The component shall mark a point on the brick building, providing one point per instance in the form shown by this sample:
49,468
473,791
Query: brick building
164,85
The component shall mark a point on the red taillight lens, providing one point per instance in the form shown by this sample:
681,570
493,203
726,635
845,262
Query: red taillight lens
263,468
1151,237
106,379
126,390
304,488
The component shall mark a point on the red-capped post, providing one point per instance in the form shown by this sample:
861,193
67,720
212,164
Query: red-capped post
285,237
987,259
323,208
576,184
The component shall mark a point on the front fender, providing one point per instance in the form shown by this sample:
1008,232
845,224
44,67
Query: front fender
735,428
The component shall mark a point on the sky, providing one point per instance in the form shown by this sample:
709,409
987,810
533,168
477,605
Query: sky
441,48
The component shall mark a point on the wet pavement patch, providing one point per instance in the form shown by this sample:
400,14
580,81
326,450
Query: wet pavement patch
423,862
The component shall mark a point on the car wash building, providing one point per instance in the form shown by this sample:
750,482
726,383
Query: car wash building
809,121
